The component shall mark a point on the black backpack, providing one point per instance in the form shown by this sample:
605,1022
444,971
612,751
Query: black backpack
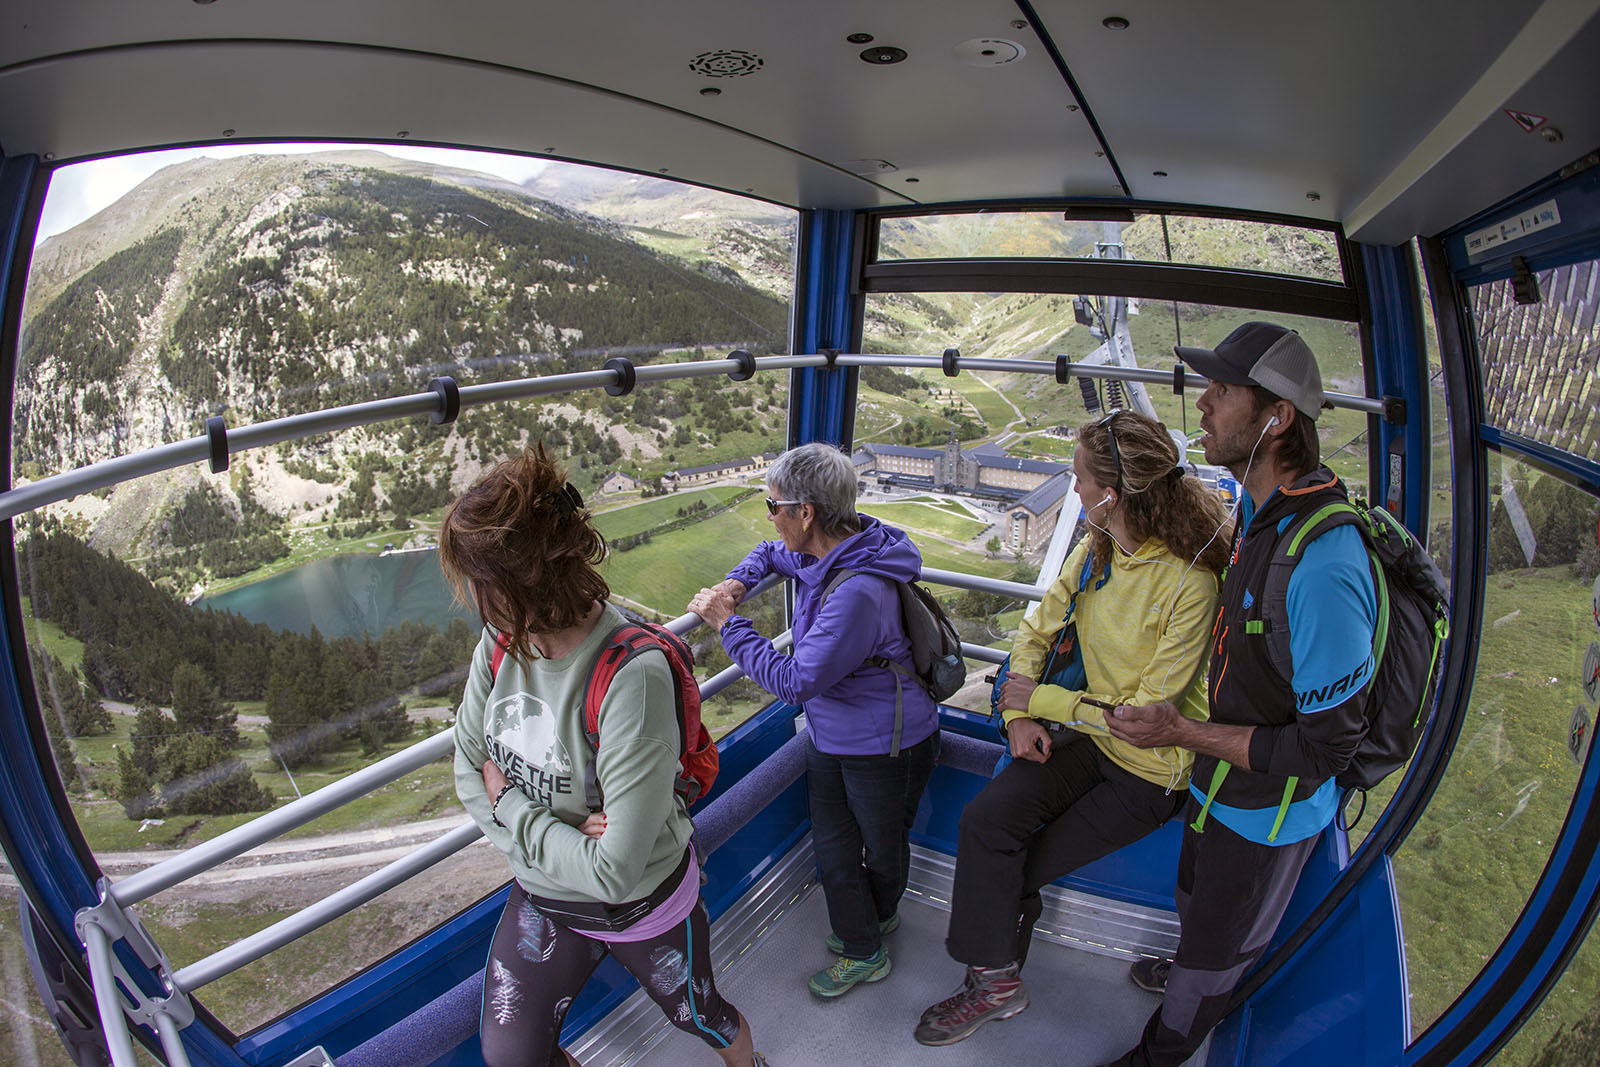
1413,622
936,660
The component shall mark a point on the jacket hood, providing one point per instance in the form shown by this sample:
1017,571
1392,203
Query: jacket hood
878,549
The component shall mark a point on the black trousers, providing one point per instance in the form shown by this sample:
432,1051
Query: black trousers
1029,826
862,810
1231,894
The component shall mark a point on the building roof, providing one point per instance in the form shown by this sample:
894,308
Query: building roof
742,461
1013,463
1043,498
902,450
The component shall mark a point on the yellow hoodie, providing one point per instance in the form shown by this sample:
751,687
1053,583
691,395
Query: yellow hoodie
1145,637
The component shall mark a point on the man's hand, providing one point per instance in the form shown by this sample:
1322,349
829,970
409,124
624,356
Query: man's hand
734,588
1146,725
494,779
1029,740
1017,691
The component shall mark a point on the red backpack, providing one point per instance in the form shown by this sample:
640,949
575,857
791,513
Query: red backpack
697,752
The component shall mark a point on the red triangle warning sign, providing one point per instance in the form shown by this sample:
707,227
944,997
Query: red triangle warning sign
1528,121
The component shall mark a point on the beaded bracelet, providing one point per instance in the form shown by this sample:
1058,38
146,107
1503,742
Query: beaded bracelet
494,808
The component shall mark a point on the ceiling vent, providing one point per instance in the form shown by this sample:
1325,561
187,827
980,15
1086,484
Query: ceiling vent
988,52
728,63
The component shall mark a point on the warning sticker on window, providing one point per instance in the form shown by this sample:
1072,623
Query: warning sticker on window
1491,238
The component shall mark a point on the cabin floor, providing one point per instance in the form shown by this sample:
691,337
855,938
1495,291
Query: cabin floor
1083,1009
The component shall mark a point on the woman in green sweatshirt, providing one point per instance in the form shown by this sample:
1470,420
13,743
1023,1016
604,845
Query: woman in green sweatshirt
520,547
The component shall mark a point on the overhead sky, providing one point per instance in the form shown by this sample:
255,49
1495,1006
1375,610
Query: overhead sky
79,190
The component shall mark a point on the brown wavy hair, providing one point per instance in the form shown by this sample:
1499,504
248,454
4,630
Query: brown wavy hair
517,547
1155,500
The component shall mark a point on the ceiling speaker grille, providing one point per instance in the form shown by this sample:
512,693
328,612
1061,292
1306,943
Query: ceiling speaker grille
727,63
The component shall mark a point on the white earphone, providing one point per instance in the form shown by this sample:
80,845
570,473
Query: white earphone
1274,421
1104,500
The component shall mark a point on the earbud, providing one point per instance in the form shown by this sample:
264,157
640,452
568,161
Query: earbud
1104,500
1274,421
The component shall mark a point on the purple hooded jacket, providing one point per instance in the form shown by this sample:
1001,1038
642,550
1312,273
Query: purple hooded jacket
849,705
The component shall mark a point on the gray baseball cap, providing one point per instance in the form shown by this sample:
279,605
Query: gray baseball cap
1265,354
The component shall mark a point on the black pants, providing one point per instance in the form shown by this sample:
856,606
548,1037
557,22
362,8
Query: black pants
1231,894
862,808
1029,826
537,966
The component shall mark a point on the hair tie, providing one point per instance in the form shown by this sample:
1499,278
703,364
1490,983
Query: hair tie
1176,473
566,500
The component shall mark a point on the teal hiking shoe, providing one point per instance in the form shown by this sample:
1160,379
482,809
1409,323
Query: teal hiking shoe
846,974
888,926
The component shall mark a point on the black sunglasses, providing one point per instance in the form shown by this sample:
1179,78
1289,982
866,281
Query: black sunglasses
1116,453
774,505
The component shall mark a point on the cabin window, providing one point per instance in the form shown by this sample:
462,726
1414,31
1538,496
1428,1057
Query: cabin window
909,419
1538,360
1149,237
207,646
1468,867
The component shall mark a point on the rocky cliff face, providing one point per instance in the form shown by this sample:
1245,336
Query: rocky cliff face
260,287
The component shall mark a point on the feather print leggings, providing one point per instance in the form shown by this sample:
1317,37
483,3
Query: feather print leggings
536,967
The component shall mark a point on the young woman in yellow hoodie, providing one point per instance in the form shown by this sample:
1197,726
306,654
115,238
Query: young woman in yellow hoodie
1142,590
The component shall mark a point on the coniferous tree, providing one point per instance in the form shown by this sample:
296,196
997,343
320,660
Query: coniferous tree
197,707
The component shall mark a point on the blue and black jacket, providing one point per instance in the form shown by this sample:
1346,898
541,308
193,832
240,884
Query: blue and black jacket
1307,726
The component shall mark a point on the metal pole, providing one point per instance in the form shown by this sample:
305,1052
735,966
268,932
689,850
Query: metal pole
112,1022
324,911
204,856
171,1041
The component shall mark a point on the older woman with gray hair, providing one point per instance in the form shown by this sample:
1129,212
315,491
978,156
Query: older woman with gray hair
868,756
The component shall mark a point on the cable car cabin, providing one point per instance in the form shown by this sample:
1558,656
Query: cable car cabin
282,280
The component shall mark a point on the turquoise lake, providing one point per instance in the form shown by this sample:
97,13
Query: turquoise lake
347,596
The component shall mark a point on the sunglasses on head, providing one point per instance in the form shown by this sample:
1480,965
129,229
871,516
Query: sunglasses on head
1116,453
774,505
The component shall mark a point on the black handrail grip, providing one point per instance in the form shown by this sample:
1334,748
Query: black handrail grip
1063,370
449,400
747,365
217,436
1394,410
832,355
625,376
950,357
1178,375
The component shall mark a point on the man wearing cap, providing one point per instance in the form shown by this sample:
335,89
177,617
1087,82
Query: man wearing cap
1262,789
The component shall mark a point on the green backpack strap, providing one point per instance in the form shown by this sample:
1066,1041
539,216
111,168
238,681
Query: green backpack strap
1273,623
1223,767
1283,808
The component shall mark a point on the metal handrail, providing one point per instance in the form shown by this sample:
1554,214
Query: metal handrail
110,472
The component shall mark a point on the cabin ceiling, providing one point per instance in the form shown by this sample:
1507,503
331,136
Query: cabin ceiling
1377,108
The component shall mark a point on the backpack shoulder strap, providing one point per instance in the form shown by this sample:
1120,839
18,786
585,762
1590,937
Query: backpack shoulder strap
621,645
835,579
498,656
1274,620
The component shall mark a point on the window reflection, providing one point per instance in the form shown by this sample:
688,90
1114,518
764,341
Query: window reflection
1468,867
1240,244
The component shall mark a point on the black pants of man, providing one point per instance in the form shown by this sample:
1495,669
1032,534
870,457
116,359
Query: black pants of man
1231,894
1029,826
